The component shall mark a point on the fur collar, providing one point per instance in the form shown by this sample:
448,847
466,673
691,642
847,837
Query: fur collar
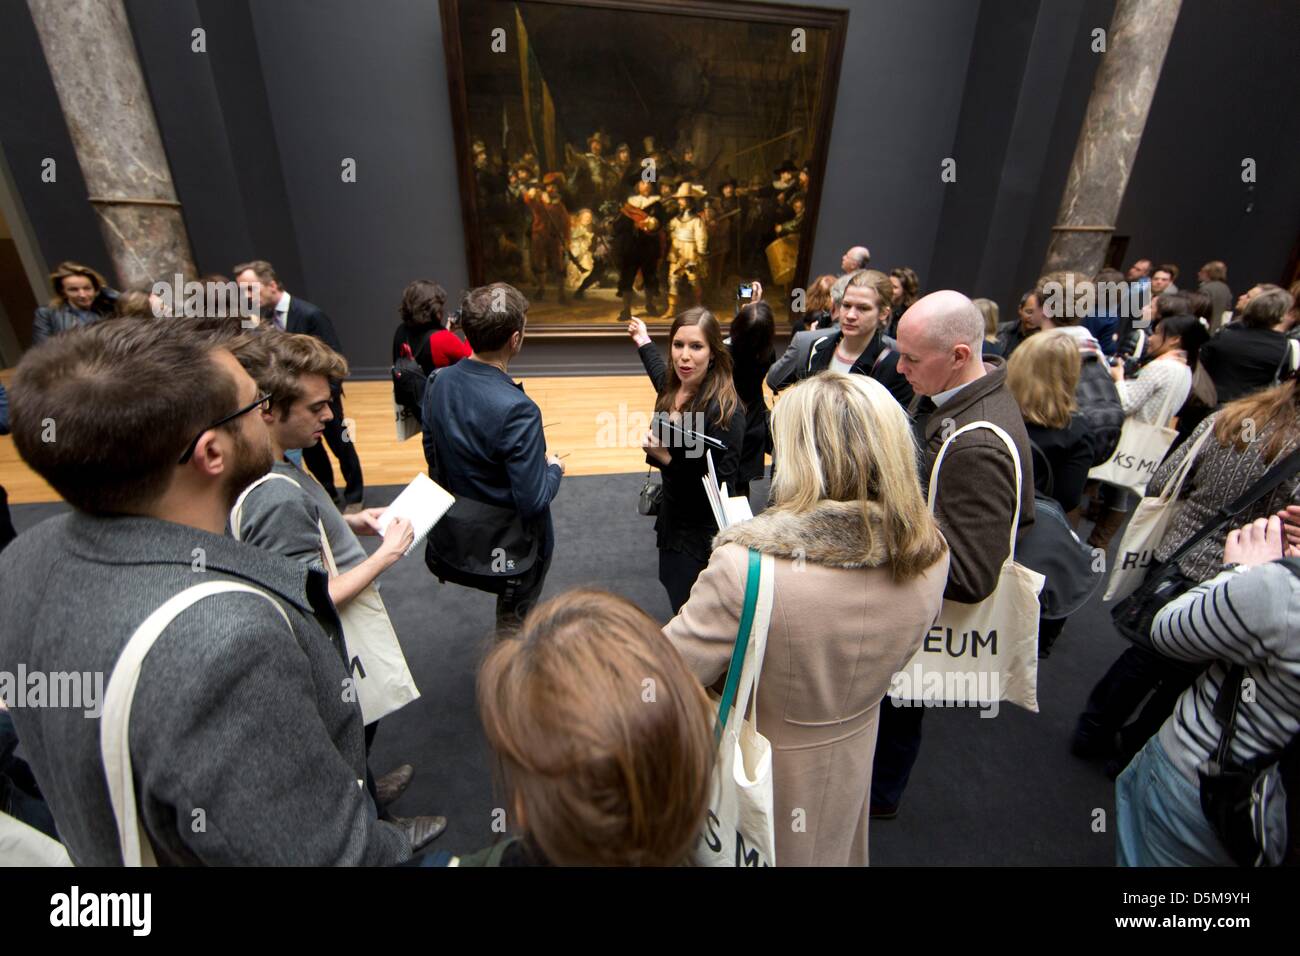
833,534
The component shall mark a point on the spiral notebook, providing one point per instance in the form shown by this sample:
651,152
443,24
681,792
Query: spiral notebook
423,502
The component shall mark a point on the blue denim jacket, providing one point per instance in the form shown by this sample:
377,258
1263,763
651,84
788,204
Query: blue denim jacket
487,437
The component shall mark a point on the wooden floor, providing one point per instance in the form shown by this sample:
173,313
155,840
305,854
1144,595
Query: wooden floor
597,421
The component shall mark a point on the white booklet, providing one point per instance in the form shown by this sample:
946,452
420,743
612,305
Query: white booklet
423,502
727,509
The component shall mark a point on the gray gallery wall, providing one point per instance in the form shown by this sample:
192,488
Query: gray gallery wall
257,127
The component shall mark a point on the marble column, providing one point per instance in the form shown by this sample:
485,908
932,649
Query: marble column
1136,42
92,59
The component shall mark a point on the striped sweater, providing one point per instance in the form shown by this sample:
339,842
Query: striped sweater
1243,616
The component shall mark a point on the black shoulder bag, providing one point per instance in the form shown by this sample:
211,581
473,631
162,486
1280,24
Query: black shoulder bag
1246,803
477,544
1164,582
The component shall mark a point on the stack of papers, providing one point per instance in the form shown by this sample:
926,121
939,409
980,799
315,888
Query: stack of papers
727,510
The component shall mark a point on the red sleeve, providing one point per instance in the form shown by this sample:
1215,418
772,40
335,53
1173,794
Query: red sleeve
446,348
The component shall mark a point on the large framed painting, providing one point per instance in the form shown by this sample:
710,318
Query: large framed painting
638,157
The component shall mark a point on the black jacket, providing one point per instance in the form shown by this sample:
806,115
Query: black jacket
1068,451
307,319
886,372
748,375
1242,360
685,521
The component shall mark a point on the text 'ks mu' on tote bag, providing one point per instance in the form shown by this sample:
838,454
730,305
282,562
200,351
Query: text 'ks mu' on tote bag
1146,529
980,653
1141,449
739,829
375,661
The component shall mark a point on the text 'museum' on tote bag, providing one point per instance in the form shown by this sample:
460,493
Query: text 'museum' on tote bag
979,653
375,661
1146,529
739,827
1141,449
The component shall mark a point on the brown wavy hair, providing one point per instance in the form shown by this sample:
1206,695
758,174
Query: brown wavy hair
718,385
1274,415
602,733
68,269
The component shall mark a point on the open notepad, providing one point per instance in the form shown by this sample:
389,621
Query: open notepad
727,510
423,502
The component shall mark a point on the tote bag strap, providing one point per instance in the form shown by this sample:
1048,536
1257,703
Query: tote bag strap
237,512
751,640
1015,460
1173,488
115,722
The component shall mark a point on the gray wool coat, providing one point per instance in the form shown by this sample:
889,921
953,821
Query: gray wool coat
243,746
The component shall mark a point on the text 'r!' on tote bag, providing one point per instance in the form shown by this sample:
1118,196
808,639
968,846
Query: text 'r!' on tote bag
1146,529
1141,449
739,829
979,653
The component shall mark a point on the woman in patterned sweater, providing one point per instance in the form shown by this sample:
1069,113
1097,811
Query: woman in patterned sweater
1249,436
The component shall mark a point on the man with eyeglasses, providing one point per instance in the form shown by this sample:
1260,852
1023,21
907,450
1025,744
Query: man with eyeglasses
243,749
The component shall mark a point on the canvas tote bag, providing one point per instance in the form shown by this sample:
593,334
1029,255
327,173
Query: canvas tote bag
375,660
739,829
1146,529
115,722
978,653
1140,450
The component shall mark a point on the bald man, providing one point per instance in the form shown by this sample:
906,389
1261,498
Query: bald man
939,353
856,258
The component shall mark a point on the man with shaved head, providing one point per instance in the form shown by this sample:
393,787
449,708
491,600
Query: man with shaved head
939,353
856,258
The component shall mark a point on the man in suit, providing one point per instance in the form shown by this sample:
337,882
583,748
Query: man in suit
243,749
292,314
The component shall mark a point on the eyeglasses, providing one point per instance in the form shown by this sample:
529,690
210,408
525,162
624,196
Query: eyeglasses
262,402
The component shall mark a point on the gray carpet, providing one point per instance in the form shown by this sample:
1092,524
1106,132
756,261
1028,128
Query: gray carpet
1001,791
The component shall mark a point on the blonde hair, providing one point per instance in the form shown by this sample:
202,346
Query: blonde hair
1043,373
989,309
845,438
603,777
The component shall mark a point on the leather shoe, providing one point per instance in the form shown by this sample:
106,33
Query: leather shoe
421,831
390,786
883,811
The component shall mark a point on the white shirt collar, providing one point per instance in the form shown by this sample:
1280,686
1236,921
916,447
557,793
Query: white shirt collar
283,305
943,397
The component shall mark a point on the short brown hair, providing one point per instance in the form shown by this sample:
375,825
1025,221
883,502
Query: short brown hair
602,733
1168,267
133,304
1216,270
422,303
278,360
261,268
104,411
1268,308
67,269
490,314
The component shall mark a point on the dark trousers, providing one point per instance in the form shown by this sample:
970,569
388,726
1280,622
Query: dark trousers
898,744
1135,674
644,258
677,573
20,797
520,595
318,463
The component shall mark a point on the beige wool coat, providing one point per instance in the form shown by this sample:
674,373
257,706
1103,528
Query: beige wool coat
841,627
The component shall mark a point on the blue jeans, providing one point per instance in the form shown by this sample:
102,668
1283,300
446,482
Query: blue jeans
1158,814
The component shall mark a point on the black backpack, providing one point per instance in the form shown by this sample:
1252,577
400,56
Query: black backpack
409,382
1098,402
